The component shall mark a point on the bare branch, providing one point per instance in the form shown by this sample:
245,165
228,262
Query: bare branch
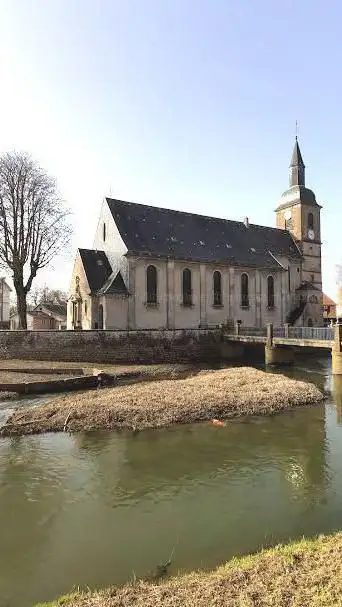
34,224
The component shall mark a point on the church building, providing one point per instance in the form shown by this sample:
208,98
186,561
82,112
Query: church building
155,268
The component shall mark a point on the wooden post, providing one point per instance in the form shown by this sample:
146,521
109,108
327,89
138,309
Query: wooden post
270,335
286,327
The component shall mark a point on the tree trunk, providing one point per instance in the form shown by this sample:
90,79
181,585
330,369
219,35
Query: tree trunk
21,305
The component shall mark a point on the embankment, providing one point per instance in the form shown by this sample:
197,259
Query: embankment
302,574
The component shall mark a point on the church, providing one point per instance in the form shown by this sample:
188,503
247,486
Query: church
155,268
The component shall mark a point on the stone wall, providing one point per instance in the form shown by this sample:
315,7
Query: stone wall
118,346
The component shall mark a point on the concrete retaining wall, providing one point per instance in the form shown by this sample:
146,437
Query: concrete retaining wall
118,346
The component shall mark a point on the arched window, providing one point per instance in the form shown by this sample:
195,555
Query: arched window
217,284
310,221
104,232
310,322
244,291
270,292
151,285
100,317
186,288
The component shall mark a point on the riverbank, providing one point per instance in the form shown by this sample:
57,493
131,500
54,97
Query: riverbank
301,574
222,395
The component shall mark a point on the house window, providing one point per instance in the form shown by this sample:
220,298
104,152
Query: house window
85,307
217,284
310,221
100,323
310,322
186,288
151,285
244,291
104,232
270,292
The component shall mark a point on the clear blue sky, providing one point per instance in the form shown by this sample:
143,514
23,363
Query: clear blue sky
187,104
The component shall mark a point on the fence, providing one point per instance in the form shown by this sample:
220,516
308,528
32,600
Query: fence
287,332
316,333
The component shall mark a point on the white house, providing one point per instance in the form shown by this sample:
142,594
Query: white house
158,268
5,293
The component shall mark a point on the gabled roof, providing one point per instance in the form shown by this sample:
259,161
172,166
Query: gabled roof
157,232
3,280
327,301
96,267
114,286
55,309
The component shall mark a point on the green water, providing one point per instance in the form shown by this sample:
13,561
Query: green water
97,509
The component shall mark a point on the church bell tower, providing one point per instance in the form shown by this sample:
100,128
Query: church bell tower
299,213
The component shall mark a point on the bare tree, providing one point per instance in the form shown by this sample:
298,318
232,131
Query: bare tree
41,294
33,222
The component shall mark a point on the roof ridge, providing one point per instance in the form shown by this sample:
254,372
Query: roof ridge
189,213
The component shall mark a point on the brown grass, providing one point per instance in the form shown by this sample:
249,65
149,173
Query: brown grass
14,377
302,574
161,369
211,394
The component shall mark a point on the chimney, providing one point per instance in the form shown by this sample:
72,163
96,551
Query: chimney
246,222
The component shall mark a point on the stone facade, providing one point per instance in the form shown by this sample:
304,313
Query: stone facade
118,346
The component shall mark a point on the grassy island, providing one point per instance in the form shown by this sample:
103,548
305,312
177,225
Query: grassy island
221,395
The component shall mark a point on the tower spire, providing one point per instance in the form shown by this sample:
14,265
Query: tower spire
297,166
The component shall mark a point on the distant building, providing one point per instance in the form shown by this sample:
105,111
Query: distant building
5,293
155,268
329,313
47,316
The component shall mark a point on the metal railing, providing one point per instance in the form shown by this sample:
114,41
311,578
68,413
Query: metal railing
315,333
252,331
287,332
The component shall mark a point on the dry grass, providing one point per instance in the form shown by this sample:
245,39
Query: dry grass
211,394
149,370
14,377
302,574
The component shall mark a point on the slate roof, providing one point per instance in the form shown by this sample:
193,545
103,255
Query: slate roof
114,286
96,267
57,309
296,159
157,232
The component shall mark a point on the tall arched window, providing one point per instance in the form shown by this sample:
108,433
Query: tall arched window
100,317
244,291
104,232
270,292
186,288
217,284
310,322
310,221
151,285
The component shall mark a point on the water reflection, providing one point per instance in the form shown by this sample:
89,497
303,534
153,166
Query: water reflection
94,508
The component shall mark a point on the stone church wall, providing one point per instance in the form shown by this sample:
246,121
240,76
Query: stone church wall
117,346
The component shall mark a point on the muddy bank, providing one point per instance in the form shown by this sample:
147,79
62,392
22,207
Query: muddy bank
302,574
220,394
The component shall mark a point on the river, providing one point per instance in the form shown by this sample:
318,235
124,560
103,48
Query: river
97,509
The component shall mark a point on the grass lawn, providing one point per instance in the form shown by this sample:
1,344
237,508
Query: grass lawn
301,574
